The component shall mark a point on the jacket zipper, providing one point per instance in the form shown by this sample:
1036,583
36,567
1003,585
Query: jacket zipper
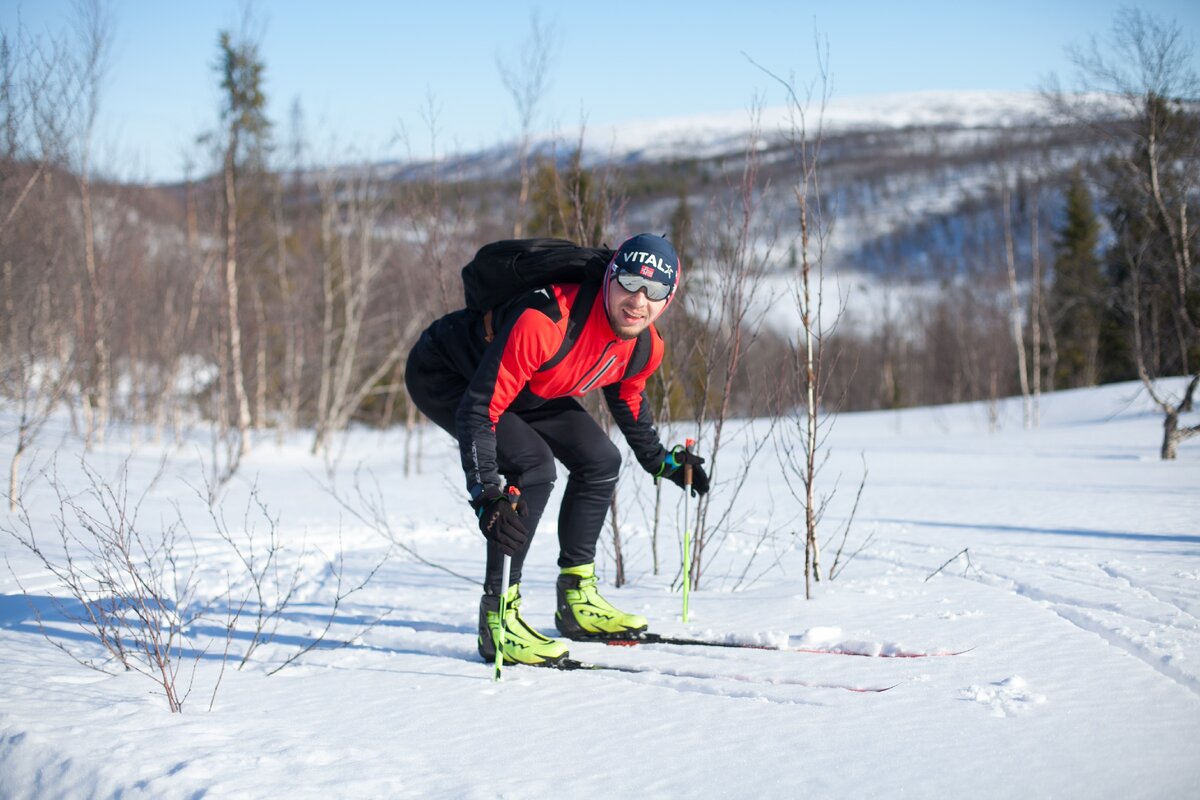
577,389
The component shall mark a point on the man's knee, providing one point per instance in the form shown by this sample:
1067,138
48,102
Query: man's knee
541,473
603,462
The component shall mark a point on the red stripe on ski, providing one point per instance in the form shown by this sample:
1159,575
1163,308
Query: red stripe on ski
654,638
570,664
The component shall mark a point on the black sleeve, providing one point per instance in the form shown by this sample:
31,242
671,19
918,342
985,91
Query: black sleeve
639,431
526,335
631,409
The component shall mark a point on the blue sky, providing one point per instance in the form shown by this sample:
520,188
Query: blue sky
364,72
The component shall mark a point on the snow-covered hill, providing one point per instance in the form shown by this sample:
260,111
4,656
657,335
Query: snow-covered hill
1069,561
712,135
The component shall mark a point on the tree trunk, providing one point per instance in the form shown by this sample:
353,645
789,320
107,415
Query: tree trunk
812,551
98,397
327,332
13,471
523,198
412,455
260,361
1035,316
1172,435
618,556
231,303
287,387
1017,332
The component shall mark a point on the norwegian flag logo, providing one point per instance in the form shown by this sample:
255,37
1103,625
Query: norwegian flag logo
647,272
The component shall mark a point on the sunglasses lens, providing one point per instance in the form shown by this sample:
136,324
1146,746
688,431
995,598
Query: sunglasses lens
656,290
633,283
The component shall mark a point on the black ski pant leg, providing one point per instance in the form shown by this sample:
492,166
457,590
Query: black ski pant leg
527,463
527,443
522,456
593,463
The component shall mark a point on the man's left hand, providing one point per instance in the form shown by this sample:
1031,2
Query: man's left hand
673,469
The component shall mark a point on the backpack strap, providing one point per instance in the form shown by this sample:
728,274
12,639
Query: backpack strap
580,310
641,355
489,334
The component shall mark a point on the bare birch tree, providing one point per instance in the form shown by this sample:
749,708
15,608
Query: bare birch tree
1036,306
291,324
1015,317
39,352
811,428
728,276
39,86
93,40
352,264
527,81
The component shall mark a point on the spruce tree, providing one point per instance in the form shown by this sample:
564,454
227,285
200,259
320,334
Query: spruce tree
682,227
1077,294
569,206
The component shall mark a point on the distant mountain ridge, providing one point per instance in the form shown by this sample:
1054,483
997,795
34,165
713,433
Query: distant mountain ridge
709,136
703,135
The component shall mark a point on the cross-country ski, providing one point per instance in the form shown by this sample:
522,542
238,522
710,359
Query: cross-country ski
877,651
572,665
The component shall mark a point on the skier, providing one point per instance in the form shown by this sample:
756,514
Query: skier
511,405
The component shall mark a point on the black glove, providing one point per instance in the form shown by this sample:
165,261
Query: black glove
500,521
673,469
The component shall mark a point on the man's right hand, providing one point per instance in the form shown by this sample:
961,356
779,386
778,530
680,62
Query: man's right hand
674,469
500,521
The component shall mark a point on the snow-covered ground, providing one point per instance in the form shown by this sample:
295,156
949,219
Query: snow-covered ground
1077,603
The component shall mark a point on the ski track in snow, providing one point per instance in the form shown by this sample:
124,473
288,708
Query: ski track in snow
681,682
1113,621
1187,608
1155,639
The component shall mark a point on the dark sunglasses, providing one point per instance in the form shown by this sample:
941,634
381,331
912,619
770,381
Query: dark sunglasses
632,283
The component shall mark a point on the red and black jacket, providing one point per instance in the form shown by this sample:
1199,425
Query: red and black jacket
550,343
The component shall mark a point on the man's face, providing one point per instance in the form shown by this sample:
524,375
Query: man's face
630,313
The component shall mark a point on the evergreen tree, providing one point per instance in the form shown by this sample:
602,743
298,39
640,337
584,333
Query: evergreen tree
1077,293
682,228
243,102
571,206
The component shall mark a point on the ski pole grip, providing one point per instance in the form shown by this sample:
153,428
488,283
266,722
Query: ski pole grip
687,467
514,496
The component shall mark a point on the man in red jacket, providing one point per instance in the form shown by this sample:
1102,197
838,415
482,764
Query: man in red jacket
509,400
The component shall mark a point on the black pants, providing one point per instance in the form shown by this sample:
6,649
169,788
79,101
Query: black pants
527,444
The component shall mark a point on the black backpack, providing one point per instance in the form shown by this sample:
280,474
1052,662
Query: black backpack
503,270
506,269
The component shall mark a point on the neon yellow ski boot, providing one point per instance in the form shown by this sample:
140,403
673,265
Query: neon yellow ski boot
583,614
520,643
